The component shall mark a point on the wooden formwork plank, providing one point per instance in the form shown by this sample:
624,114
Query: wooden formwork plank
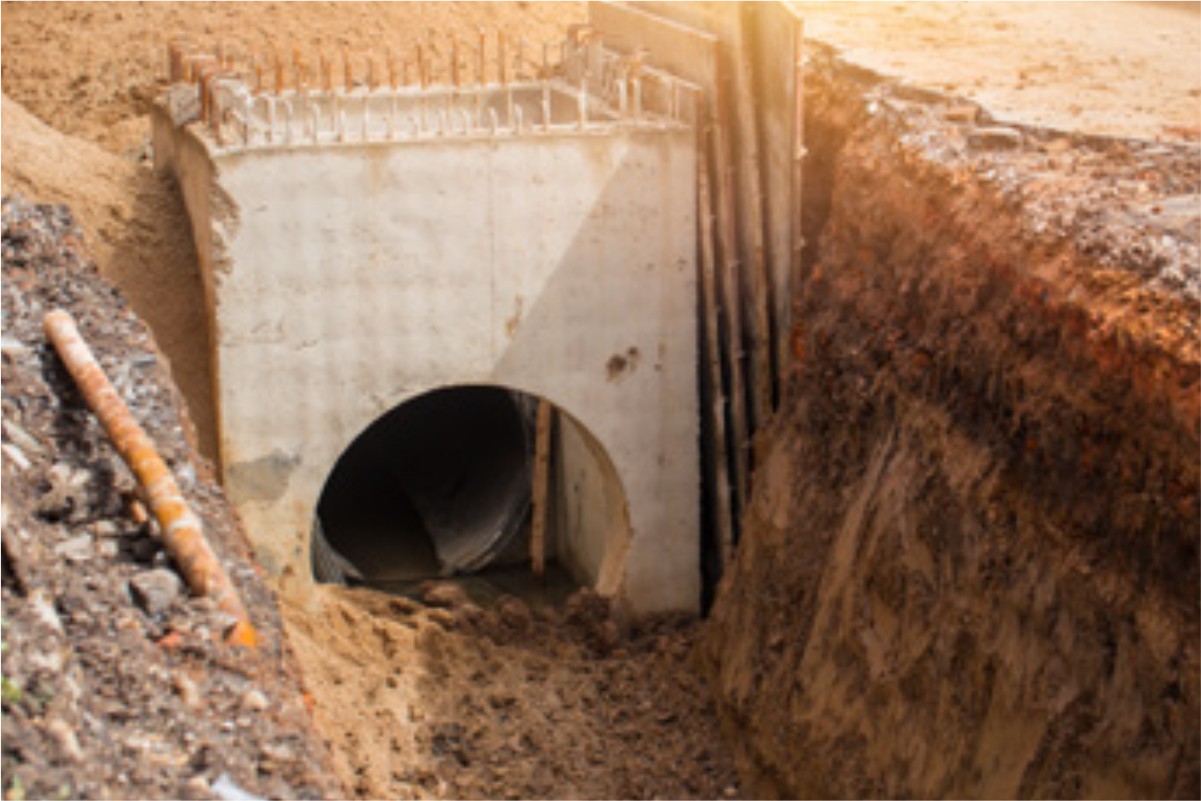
750,205
682,50
718,476
774,36
541,480
798,157
731,301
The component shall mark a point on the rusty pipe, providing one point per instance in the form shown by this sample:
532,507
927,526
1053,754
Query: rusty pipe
180,528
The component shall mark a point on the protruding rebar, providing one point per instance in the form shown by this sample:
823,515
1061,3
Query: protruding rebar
481,65
502,69
279,71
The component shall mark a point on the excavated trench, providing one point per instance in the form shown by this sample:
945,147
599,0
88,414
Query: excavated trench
970,562
974,515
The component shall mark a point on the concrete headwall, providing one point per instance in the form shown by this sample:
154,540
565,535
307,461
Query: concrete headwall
345,280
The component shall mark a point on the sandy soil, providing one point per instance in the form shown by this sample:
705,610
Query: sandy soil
1118,69
465,702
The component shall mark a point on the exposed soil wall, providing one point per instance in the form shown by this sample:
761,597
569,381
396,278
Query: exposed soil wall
970,565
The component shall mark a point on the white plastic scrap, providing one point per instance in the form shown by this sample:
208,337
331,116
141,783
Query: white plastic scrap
225,789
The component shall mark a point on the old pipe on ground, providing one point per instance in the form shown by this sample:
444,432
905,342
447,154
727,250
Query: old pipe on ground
182,534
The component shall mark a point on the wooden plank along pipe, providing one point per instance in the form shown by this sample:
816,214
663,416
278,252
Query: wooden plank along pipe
182,534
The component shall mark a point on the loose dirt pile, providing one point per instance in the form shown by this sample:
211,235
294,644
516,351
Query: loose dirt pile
460,701
136,228
116,682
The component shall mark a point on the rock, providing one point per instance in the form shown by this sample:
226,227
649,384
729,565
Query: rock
105,528
995,138
197,788
108,549
12,347
64,737
16,456
254,701
45,611
76,549
21,438
445,594
441,617
156,590
145,549
67,493
273,756
189,693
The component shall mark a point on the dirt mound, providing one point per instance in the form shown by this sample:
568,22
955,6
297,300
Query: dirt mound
970,567
116,682
138,232
91,70
508,702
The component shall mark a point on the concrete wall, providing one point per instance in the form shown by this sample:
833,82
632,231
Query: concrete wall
348,279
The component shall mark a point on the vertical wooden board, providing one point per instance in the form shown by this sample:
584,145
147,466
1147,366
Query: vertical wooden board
756,287
541,479
774,30
718,474
682,50
731,302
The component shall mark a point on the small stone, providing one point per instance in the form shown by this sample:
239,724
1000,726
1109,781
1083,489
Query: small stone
273,756
16,456
76,549
1057,146
441,617
730,791
189,693
64,736
254,701
995,138
67,493
155,590
105,528
12,347
145,549
445,594
197,788
21,438
963,113
108,549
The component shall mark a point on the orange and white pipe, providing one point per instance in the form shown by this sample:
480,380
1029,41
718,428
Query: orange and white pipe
182,533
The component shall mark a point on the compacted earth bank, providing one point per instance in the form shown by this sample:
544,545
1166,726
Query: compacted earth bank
971,563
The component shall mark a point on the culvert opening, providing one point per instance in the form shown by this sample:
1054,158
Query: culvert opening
446,485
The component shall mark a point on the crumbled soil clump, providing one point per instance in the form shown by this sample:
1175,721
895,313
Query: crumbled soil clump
976,519
116,680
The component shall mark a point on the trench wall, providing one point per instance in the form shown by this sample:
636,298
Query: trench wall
970,564
345,280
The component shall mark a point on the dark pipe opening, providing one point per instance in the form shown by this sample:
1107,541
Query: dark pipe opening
440,485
